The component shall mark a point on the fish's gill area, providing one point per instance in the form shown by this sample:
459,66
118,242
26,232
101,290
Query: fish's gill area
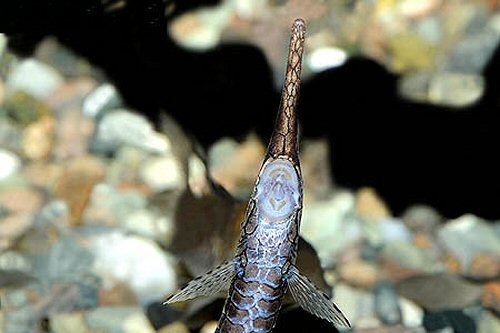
113,113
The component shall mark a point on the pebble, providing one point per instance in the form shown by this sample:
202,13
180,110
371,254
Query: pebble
68,260
410,52
209,327
445,88
412,315
10,163
103,98
123,173
12,227
491,296
176,327
148,224
3,44
369,205
200,32
416,8
323,58
392,229
236,167
409,256
68,322
468,236
21,320
197,176
21,199
162,173
422,218
357,305
359,273
2,90
329,226
33,77
43,174
13,260
414,86
70,95
15,298
63,59
15,270
120,257
76,183
430,28
109,206
455,89
475,48
387,303
10,137
118,320
25,109
72,134
49,221
439,291
38,139
55,212
119,294
121,127
488,323
484,266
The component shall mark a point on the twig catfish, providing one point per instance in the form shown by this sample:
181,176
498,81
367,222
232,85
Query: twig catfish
264,264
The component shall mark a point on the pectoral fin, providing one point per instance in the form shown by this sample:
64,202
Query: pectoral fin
211,283
314,301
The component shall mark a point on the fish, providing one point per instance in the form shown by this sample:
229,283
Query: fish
263,268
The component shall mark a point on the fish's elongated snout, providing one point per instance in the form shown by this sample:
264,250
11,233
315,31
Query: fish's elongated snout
284,140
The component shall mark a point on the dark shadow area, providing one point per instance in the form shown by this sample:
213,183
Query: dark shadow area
410,152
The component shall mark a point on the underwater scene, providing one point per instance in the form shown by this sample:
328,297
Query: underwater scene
250,166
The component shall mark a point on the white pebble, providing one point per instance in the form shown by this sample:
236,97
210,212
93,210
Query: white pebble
136,261
326,57
9,163
162,173
35,78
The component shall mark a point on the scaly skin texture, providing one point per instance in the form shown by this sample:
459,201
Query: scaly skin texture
269,235
284,138
266,251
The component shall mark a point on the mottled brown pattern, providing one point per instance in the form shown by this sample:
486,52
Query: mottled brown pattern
268,245
284,138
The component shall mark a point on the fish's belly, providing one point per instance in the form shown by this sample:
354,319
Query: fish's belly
254,301
256,293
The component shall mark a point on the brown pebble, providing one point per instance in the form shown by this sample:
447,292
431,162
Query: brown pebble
21,200
75,185
491,296
42,174
359,273
12,227
38,139
120,294
369,205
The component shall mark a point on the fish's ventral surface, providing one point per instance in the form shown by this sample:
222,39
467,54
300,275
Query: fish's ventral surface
263,268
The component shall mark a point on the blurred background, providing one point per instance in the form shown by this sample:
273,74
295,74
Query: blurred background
131,133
